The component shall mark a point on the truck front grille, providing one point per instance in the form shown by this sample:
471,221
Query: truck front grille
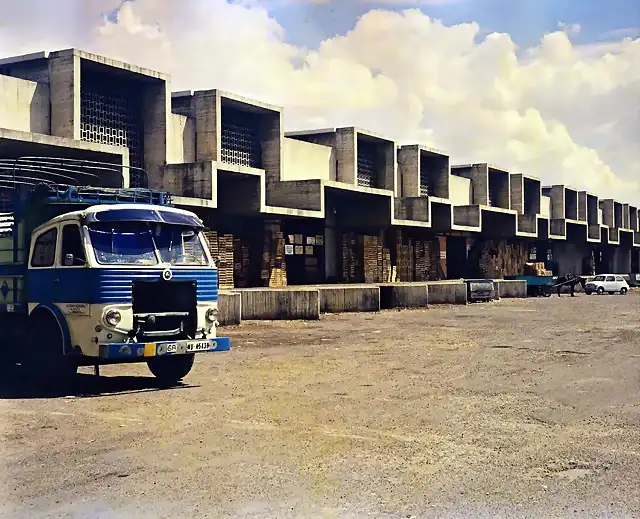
165,310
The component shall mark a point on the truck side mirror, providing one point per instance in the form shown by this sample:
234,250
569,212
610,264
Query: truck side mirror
68,260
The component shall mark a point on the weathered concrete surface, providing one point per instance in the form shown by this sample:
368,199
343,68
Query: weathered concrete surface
447,293
360,298
510,288
229,308
280,303
404,295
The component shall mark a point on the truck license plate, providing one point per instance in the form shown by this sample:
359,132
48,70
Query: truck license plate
198,346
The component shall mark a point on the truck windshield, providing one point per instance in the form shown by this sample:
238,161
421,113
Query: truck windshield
179,245
123,243
140,243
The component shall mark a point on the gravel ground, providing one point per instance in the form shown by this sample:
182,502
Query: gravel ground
519,408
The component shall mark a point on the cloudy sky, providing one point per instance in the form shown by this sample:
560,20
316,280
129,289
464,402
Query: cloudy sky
545,87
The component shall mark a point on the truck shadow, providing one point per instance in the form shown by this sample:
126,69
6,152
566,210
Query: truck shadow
13,387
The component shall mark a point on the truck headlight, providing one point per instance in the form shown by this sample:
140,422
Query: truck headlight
212,315
112,317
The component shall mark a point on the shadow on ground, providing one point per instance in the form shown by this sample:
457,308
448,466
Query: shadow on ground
13,386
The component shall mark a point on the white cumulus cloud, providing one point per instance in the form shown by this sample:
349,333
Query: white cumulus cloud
566,113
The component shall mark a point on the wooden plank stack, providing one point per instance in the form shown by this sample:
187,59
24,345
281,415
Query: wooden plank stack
423,267
499,259
221,249
373,268
274,267
536,269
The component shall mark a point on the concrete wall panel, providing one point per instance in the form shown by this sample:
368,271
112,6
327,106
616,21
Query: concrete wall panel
404,295
511,288
271,303
24,105
461,192
349,299
182,142
229,308
448,293
307,161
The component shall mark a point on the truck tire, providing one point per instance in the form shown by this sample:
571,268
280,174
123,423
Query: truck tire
600,290
47,367
170,369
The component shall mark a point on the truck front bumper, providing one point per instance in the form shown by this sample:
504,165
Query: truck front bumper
138,350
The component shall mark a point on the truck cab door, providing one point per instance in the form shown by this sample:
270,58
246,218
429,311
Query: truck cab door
41,281
68,282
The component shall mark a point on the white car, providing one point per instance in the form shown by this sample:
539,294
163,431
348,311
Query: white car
610,283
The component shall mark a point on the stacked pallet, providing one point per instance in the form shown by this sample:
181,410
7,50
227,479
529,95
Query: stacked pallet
423,268
388,269
225,265
499,258
221,249
536,269
274,268
373,269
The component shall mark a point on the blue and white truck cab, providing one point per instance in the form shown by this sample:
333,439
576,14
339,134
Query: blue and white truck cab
129,280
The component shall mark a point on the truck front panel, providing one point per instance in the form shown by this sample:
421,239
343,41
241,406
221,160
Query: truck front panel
150,307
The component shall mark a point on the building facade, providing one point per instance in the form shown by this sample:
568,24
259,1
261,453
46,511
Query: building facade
333,205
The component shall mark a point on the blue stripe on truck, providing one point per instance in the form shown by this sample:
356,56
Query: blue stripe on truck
108,286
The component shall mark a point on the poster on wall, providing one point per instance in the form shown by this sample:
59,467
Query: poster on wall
298,239
299,249
288,250
290,239
319,241
308,250
311,240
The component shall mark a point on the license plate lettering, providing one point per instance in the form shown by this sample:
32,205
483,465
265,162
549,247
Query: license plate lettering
172,348
198,346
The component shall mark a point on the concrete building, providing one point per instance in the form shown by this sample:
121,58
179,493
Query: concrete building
317,206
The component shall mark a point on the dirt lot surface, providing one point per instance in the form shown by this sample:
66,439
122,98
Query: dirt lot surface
519,408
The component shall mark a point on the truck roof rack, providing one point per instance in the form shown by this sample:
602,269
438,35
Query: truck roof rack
34,171
70,181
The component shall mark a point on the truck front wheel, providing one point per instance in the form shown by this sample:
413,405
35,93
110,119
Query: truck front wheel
171,369
47,367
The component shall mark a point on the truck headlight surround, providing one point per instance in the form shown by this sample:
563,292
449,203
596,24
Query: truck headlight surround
211,315
112,317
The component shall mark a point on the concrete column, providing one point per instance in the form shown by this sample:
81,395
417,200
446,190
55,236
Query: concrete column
64,79
271,138
390,170
517,192
409,171
582,206
347,155
480,182
557,202
156,109
208,115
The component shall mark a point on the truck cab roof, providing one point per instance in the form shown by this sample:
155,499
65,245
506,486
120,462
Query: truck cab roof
128,212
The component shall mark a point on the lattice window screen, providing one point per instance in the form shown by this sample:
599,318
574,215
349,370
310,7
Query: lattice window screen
241,138
112,114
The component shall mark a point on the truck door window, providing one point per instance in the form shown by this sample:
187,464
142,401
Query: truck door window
44,249
610,279
72,252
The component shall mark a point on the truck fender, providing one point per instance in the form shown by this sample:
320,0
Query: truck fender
60,319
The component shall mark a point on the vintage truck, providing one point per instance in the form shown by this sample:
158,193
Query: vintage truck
93,275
